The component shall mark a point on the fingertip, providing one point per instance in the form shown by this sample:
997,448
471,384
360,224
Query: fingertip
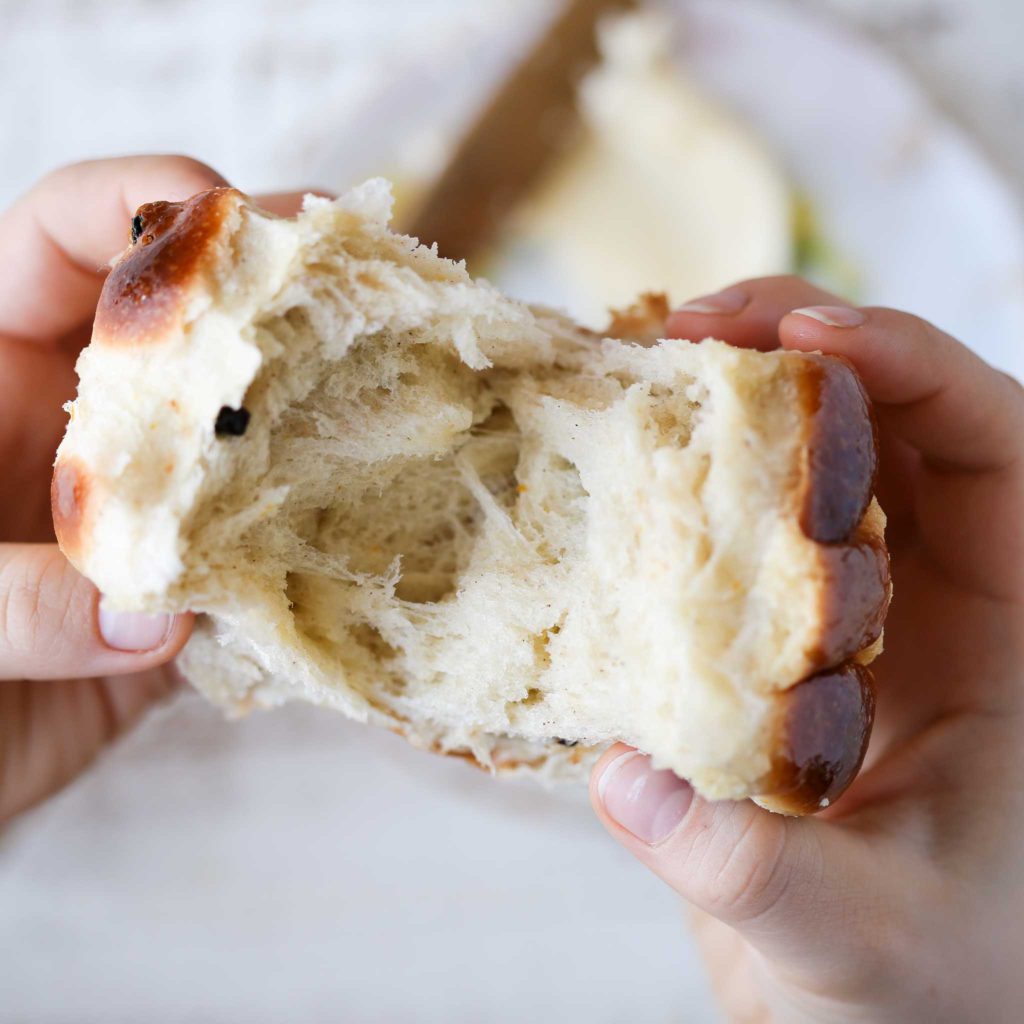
898,356
59,238
746,314
842,331
832,316
637,801
720,856
817,329
750,868
153,638
190,165
179,635
731,315
727,302
688,324
934,393
176,175
166,178
597,773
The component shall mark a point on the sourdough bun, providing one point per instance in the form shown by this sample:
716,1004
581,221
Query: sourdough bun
395,492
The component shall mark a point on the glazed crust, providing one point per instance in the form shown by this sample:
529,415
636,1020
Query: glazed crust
821,734
145,295
144,298
840,448
824,722
644,321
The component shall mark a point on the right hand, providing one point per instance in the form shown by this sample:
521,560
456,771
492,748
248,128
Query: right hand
904,902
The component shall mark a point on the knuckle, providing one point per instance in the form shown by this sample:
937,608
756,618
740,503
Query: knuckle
926,332
58,179
189,168
785,292
190,173
37,607
746,871
898,321
23,608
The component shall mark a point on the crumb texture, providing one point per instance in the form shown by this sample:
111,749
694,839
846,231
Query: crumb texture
450,514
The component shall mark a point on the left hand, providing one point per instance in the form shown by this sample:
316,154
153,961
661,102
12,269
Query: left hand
72,675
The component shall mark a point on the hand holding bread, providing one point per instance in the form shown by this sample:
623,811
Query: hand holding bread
900,902
73,674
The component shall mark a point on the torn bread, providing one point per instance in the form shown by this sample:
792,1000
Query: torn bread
392,491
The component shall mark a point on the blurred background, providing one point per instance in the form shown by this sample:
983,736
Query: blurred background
293,867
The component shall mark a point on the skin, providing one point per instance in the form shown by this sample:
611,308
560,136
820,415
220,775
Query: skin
903,901
65,692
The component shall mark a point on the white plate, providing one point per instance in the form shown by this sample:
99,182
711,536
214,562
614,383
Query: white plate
902,195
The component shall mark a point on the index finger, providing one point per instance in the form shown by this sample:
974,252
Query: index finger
945,400
746,314
963,417
57,240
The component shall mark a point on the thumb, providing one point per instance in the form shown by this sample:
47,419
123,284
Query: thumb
52,625
766,875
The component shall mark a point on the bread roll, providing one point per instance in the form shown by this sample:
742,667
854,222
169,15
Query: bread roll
394,492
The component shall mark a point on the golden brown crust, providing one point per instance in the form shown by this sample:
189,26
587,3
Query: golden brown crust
840,448
644,321
72,503
821,734
463,755
144,295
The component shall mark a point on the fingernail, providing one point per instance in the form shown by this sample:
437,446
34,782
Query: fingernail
723,303
132,631
833,316
648,803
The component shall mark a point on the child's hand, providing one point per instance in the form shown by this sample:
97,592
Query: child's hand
905,902
71,676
